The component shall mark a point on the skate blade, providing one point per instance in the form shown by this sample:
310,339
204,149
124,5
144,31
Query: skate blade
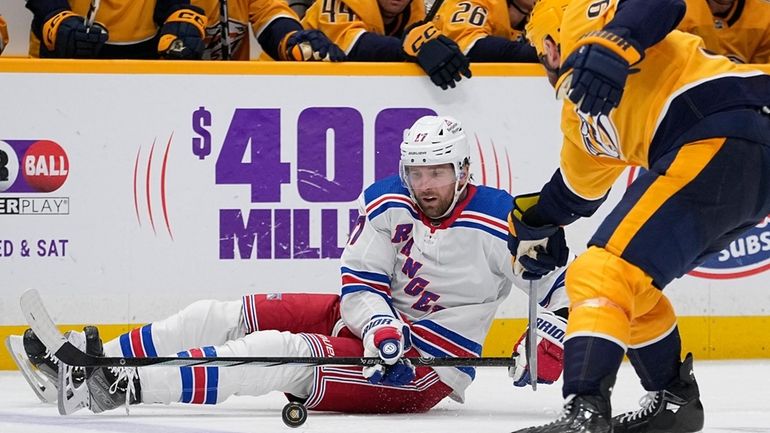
43,387
71,398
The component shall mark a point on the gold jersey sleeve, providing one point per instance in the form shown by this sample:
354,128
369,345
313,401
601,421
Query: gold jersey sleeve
467,21
743,34
241,14
345,21
669,68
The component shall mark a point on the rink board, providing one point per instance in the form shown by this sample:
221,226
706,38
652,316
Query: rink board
135,188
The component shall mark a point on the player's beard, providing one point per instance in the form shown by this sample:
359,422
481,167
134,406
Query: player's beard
434,205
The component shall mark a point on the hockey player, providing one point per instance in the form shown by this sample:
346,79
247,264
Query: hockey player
138,29
424,270
487,30
640,94
276,28
389,31
738,29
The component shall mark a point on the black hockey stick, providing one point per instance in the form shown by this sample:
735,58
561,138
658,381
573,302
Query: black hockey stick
40,321
432,8
224,29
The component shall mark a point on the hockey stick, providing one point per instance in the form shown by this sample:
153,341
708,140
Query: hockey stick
90,17
532,337
432,7
224,29
40,322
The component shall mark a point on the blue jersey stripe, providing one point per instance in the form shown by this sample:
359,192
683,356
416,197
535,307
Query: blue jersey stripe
212,377
149,346
187,380
360,287
454,337
391,205
125,346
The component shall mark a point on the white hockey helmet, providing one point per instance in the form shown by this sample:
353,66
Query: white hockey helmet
435,140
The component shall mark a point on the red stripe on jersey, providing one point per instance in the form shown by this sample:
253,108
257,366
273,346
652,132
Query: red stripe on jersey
136,343
199,379
489,221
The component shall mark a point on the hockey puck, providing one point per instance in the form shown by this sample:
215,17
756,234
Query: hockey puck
294,414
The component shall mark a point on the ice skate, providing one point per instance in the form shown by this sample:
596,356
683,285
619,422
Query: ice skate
582,414
110,387
38,366
676,409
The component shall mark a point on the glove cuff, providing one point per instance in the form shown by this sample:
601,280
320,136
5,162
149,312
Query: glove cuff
417,36
612,42
51,27
192,15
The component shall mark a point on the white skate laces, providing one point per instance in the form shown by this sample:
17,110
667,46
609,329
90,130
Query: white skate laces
124,374
647,403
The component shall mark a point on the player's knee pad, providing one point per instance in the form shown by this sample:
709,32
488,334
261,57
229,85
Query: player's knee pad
655,324
602,289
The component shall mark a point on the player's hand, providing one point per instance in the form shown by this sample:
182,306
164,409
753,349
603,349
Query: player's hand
181,36
3,34
536,249
388,338
307,45
599,68
550,351
65,35
437,55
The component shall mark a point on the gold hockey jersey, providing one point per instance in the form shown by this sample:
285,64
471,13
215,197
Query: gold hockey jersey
241,14
345,21
467,21
743,34
596,149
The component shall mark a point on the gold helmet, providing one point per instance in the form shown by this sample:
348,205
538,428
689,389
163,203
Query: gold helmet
545,21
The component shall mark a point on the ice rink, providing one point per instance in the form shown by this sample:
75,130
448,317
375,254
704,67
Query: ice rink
736,396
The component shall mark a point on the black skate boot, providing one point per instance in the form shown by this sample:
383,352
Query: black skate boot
582,414
676,409
111,387
39,355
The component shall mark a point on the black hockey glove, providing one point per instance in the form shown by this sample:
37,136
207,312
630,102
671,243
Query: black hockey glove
65,35
181,36
305,45
439,56
536,249
599,67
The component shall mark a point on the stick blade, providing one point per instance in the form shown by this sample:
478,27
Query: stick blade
40,321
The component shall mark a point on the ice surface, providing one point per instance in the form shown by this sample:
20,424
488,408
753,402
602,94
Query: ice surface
736,395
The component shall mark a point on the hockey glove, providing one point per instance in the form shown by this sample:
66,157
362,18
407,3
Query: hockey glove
181,36
3,34
536,249
599,68
388,338
437,55
65,35
305,45
550,351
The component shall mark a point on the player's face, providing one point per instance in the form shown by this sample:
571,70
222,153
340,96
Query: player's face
391,8
551,60
433,187
515,15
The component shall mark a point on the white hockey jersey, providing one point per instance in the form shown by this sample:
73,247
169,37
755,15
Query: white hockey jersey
445,281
